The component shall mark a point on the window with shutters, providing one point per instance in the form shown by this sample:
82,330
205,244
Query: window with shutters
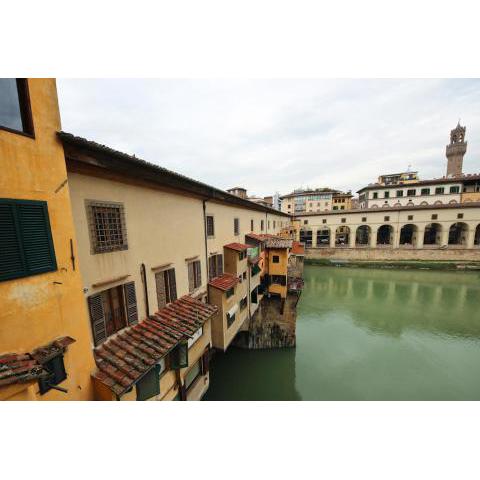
194,275
149,385
236,226
15,110
262,225
215,266
193,374
26,245
166,287
112,310
107,226
210,226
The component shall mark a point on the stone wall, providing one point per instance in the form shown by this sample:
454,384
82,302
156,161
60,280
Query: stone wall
452,254
268,327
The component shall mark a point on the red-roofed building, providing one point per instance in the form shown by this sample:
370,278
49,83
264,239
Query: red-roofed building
164,357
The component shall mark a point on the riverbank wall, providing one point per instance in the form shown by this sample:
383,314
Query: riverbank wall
273,325
441,259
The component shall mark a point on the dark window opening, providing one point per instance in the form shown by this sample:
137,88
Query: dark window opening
425,191
15,109
149,385
229,292
275,259
210,226
411,193
236,226
179,356
439,190
243,303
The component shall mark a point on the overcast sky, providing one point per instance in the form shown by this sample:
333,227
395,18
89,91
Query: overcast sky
277,135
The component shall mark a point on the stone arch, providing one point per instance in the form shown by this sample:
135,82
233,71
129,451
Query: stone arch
306,236
432,235
398,204
385,235
385,205
363,235
323,237
438,202
457,234
410,204
374,206
476,240
342,236
424,203
408,235
452,202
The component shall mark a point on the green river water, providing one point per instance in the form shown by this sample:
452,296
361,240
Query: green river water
367,334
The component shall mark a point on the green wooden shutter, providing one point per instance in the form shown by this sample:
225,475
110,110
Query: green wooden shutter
179,356
35,232
149,385
11,258
131,303
97,318
172,284
26,246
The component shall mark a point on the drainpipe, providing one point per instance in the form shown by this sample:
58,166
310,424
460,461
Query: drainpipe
145,288
206,248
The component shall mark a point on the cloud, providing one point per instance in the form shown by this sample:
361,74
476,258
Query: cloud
277,135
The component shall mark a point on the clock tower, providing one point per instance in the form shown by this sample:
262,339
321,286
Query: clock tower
455,151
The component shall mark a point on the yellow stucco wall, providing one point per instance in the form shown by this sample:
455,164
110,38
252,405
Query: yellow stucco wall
35,310
279,268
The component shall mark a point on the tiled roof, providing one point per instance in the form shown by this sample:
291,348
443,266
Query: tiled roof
298,248
261,237
240,247
124,358
278,243
25,367
224,282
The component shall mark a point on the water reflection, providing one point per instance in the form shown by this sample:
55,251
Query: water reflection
392,301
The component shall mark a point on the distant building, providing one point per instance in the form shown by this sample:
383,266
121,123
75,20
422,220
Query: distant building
318,200
407,190
238,191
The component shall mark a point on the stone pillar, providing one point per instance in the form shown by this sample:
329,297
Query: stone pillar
353,233
444,235
314,237
373,237
420,236
332,236
470,237
396,236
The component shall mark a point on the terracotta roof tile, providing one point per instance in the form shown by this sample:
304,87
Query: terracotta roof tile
261,237
239,247
124,358
224,282
298,248
278,242
26,367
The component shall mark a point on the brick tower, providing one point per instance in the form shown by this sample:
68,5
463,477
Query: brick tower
456,150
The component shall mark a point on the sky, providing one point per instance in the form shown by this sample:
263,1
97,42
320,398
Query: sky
277,135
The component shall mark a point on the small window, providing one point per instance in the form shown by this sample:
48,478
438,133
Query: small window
364,219
399,193
434,216
251,225
262,225
107,226
386,219
194,275
241,256
425,191
411,192
243,303
215,266
268,225
375,194
15,110
230,292
305,222
236,226
344,220
166,287
324,220
455,189
56,374
210,226
410,217
244,275
274,223
459,215
26,243
149,385
230,319
439,190
179,356
386,194
275,259
192,375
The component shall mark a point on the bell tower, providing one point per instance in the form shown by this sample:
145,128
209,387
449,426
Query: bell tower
456,150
